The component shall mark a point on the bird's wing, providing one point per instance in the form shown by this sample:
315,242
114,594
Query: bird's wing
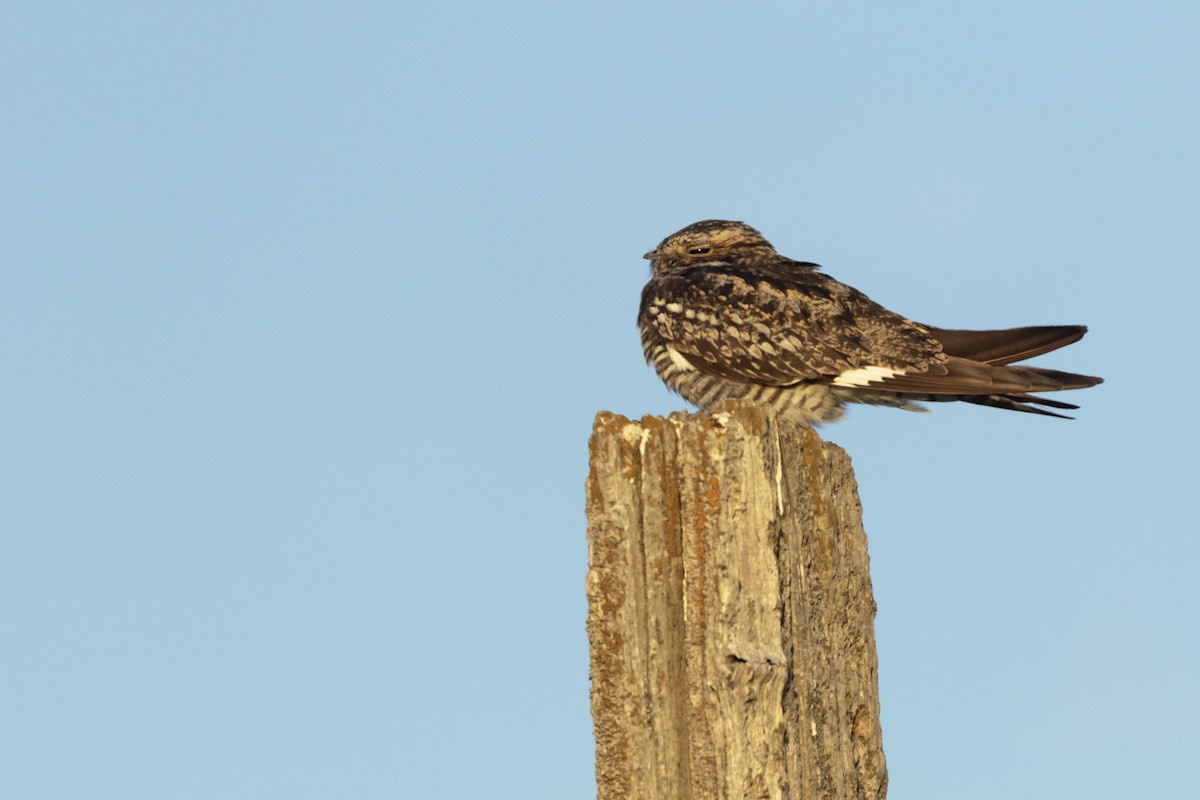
783,325
1007,346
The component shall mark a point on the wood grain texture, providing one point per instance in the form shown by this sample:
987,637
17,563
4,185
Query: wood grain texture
730,612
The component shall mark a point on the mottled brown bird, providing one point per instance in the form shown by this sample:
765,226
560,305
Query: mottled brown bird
724,316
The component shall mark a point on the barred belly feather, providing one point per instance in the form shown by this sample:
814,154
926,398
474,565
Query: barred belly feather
812,403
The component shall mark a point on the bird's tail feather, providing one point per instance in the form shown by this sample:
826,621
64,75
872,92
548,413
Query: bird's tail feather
1020,402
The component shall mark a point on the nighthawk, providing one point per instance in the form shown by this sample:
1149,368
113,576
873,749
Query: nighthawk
724,316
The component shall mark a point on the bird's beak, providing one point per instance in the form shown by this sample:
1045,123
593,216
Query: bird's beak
650,256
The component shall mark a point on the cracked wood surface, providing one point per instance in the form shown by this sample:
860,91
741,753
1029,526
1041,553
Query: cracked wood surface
730,612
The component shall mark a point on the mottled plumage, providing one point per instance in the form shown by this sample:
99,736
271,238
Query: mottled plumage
724,316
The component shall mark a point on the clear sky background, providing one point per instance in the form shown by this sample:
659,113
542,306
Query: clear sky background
307,309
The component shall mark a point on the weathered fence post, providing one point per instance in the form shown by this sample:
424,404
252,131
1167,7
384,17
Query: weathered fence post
730,613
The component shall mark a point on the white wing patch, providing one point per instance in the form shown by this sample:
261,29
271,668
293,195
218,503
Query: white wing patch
678,360
865,375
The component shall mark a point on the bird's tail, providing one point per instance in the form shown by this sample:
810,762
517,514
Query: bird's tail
986,360
1020,402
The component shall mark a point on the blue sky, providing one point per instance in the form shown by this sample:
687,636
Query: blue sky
308,309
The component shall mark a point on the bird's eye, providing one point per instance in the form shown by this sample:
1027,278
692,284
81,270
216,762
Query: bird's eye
699,250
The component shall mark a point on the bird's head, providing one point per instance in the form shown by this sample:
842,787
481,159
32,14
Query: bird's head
711,242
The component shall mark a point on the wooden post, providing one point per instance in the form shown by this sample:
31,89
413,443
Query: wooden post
730,612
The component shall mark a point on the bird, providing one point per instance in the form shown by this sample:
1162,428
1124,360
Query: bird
724,317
